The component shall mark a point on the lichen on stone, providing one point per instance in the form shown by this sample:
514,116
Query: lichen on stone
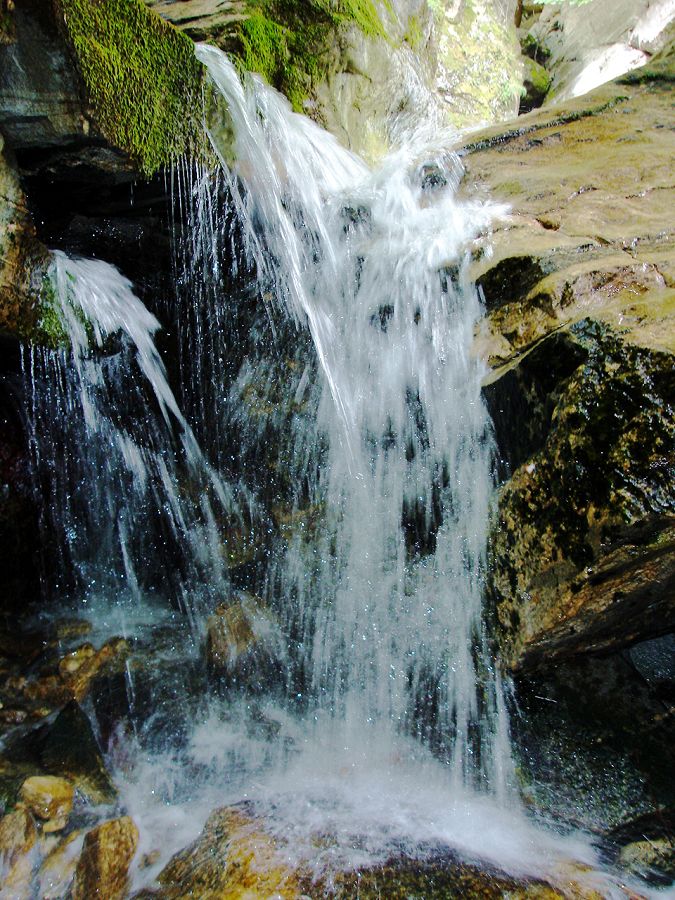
141,78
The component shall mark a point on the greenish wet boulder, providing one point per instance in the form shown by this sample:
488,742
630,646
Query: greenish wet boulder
536,82
66,745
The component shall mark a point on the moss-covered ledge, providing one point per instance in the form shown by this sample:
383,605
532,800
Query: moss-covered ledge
141,80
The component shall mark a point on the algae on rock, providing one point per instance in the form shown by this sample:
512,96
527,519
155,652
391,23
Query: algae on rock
142,81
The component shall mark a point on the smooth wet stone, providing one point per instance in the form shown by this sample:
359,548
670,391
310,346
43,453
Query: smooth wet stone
57,871
103,867
18,837
49,798
233,858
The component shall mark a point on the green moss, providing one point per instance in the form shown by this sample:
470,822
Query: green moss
413,34
7,30
141,78
49,329
290,44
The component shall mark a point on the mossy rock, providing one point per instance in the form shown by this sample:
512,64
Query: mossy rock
141,79
536,83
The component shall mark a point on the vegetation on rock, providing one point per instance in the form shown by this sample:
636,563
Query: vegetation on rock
289,44
141,77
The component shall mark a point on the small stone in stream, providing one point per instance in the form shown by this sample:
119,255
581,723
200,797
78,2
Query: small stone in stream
149,859
49,689
68,629
103,866
49,798
70,664
58,870
18,837
13,716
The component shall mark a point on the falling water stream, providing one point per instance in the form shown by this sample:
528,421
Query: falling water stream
343,442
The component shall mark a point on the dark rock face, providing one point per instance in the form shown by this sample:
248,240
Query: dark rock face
591,741
579,329
583,549
67,746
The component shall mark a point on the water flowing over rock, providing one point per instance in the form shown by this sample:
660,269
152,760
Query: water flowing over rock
264,438
106,855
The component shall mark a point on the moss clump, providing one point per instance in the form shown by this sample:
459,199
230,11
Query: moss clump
413,34
289,44
141,78
49,330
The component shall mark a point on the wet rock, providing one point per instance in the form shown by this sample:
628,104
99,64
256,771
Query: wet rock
57,872
103,866
79,668
590,747
233,856
579,293
70,664
478,72
440,879
244,645
70,629
23,259
18,837
583,552
645,857
50,799
66,747
536,83
59,87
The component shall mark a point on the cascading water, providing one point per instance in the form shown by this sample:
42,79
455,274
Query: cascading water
108,427
390,637
327,377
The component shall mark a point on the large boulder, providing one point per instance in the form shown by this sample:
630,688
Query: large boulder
580,301
234,856
366,71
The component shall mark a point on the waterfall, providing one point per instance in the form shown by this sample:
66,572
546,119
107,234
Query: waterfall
119,456
320,481
390,632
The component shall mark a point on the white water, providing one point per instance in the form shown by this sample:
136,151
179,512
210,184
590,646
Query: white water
121,454
390,628
387,728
